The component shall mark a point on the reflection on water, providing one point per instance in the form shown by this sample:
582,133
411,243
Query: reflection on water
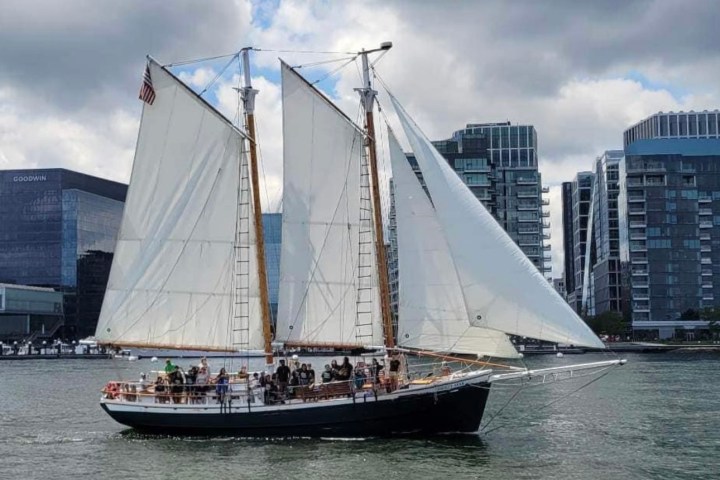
657,417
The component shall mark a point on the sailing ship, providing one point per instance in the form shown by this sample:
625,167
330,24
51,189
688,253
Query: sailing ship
188,271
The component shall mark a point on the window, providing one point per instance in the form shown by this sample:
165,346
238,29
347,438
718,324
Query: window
682,125
692,119
673,125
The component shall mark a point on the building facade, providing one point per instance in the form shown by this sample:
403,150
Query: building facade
24,310
577,200
670,199
499,163
272,229
607,291
58,229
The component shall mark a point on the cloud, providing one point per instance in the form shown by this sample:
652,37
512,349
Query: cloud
580,72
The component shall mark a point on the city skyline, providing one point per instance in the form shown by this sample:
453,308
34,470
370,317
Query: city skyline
582,75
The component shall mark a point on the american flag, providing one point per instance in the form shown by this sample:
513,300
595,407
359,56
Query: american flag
147,92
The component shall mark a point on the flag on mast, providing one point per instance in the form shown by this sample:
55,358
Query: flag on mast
147,92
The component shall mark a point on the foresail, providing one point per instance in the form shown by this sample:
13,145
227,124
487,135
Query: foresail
319,263
431,309
502,289
174,271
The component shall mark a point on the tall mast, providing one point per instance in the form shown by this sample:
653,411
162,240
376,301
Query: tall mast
367,97
248,97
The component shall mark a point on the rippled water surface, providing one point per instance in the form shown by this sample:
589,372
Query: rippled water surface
657,418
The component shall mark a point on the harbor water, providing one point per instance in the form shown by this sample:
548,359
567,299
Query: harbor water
658,417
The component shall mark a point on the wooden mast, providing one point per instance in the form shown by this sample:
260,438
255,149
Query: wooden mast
367,96
248,97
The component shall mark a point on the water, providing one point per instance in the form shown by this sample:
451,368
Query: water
656,418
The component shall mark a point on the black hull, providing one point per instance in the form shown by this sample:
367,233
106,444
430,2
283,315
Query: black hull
423,413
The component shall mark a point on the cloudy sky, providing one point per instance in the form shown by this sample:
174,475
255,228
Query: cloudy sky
580,72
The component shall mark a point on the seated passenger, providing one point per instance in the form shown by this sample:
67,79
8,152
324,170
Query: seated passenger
335,369
359,378
243,374
160,390
346,370
445,370
327,375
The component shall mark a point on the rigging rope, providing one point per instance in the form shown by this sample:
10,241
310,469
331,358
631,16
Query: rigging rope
608,370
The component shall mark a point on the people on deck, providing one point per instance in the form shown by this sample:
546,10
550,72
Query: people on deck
169,366
346,370
221,385
375,369
177,382
311,374
161,395
394,373
283,376
359,375
327,374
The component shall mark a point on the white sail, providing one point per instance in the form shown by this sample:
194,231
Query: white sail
173,275
503,290
319,263
431,308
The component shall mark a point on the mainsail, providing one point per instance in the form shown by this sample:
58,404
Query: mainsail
431,308
320,281
502,289
174,275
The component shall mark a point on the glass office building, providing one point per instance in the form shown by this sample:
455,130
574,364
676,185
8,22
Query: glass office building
272,229
670,200
498,162
58,229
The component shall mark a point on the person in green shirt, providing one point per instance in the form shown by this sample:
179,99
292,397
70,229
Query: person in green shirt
169,367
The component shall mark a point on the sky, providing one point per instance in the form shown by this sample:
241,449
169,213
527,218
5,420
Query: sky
580,72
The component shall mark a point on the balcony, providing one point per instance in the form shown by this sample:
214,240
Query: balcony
636,211
638,224
705,236
706,224
639,247
645,167
527,194
525,208
635,182
707,285
705,248
545,225
545,214
481,169
704,199
706,273
545,189
639,307
705,211
547,236
638,236
708,297
706,261
527,220
639,261
546,202
643,284
640,296
638,198
526,181
547,268
547,247
639,272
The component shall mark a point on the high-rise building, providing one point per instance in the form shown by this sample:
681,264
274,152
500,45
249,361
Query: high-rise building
576,209
58,229
272,229
670,220
568,239
605,270
498,162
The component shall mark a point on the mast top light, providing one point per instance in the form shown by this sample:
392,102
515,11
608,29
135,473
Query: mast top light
386,45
